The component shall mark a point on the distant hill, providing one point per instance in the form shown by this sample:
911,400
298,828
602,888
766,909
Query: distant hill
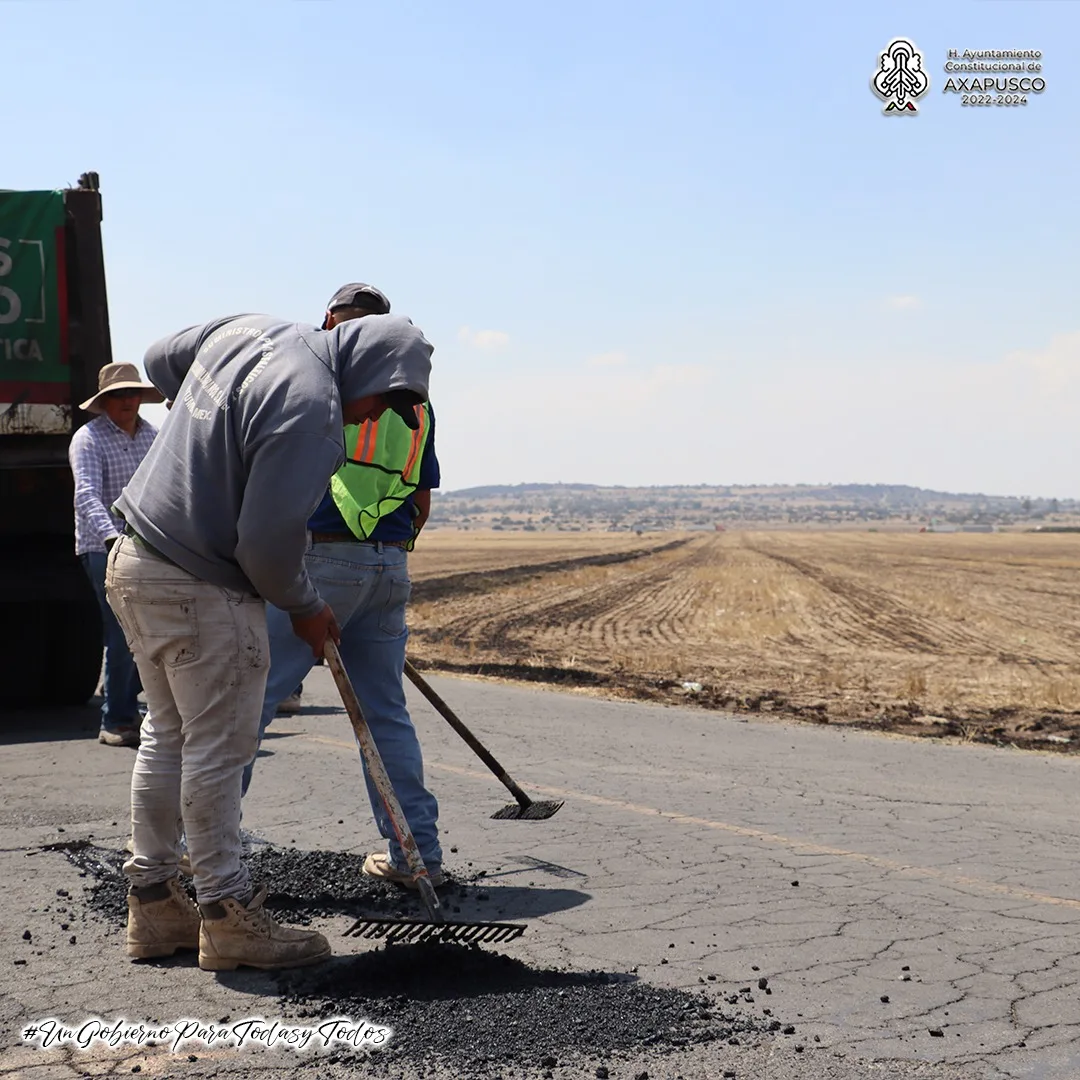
503,490
898,494
574,507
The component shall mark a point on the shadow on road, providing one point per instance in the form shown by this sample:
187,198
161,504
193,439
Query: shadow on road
311,710
271,734
305,885
50,725
497,902
469,902
416,973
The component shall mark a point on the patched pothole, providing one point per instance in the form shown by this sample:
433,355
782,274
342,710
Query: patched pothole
470,1006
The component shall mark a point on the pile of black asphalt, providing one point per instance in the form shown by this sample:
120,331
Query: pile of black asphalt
470,1005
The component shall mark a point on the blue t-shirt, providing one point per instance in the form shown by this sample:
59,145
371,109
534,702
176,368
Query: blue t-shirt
397,525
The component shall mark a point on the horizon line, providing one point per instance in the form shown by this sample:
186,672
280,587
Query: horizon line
698,487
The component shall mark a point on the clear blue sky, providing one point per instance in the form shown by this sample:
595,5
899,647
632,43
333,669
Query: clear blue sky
652,243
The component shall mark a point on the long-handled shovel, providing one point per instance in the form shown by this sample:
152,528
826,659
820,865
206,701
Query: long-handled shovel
437,928
525,809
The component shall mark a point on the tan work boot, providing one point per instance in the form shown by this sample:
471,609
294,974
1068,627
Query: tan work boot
161,919
125,736
378,865
235,934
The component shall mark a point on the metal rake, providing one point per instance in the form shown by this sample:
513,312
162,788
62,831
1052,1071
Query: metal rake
437,928
392,931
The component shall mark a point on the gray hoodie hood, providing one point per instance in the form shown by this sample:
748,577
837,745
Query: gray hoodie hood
376,354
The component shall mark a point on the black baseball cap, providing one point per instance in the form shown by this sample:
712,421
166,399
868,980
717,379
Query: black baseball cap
357,294
404,403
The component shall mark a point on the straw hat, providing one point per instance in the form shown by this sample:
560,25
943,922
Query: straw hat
121,377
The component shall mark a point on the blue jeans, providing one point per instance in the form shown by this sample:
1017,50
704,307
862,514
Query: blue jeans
368,587
122,684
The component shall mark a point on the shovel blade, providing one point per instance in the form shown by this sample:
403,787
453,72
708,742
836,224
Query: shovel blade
535,811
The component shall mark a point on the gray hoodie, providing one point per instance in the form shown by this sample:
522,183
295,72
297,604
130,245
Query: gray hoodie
253,437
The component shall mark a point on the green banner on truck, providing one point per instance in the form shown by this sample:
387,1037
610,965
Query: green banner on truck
35,382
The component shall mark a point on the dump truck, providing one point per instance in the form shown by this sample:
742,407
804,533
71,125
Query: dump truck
54,338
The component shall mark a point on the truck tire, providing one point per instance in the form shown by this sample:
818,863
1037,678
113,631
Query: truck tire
24,662
58,660
75,652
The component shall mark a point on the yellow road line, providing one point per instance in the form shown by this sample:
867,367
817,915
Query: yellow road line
801,847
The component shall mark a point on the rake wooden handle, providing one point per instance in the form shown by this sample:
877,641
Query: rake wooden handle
379,777
475,744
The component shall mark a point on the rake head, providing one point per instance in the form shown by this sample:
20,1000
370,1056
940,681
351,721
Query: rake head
417,931
535,811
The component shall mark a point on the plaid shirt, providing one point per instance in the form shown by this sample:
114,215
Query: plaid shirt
103,459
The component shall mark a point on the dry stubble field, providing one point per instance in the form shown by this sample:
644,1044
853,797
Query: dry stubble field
965,635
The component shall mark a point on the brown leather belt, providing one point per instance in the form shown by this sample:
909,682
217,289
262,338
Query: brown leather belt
348,538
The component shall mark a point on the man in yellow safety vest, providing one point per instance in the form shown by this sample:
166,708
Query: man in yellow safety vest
361,534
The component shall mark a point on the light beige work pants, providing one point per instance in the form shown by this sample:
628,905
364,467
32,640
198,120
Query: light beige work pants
203,656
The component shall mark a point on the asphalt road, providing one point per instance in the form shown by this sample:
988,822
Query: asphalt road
843,867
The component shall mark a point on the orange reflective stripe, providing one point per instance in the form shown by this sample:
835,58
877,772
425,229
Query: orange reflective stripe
371,435
360,431
417,441
362,451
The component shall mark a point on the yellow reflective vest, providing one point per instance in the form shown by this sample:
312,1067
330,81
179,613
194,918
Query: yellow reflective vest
381,470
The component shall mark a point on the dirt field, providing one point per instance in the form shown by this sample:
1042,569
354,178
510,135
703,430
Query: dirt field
976,636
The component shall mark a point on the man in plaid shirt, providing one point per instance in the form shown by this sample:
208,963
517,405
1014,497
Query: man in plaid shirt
104,455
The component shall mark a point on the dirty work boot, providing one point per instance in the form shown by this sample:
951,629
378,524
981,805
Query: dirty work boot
234,933
161,919
378,865
121,736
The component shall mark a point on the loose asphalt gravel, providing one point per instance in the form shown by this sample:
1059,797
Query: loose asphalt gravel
468,1005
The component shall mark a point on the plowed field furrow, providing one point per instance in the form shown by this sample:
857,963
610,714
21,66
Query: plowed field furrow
507,621
875,616
621,611
1059,638
430,586
645,612
833,625
1012,603
1018,600
609,612
838,621
1041,635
